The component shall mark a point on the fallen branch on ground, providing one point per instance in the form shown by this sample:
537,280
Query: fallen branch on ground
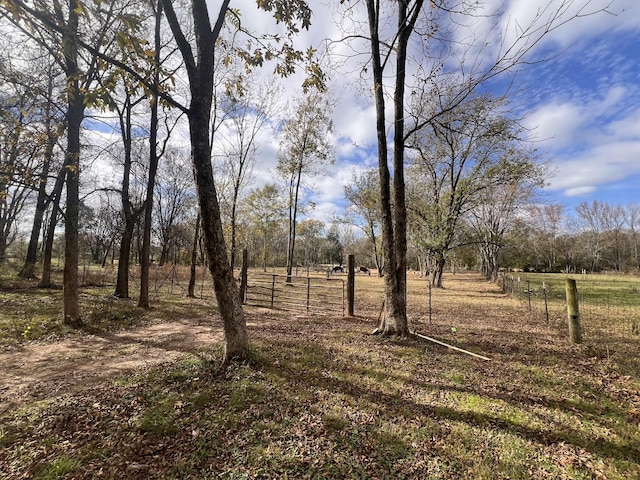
450,346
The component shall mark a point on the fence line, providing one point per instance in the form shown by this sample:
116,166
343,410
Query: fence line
309,294
600,306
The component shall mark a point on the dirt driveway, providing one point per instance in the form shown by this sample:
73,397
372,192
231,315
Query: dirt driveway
40,371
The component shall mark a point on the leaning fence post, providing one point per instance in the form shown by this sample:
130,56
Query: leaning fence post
243,275
273,288
351,280
546,305
573,313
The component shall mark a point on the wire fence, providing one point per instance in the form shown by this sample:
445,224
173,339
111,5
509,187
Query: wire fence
315,294
608,303
307,293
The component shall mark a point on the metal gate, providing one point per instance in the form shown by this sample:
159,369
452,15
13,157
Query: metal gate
310,294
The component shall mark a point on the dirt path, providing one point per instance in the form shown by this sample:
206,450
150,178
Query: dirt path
45,370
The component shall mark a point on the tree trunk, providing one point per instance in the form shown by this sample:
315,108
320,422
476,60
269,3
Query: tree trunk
145,251
227,293
438,271
200,72
29,267
130,215
394,234
194,260
45,281
75,115
293,214
264,250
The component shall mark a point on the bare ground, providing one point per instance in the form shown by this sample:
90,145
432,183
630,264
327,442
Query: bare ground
38,371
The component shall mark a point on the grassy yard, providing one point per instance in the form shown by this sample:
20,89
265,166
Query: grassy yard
322,398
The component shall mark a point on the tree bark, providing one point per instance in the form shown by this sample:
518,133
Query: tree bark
200,73
145,251
194,260
75,115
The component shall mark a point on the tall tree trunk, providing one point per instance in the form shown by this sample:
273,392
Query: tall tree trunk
394,235
264,250
45,281
194,260
75,115
293,216
145,251
29,267
227,296
200,72
130,214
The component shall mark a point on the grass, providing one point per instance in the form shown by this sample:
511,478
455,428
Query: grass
321,398
29,313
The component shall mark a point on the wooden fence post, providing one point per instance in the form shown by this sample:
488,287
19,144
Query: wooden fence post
351,280
244,275
573,313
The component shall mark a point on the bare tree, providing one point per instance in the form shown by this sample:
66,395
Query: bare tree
199,64
632,215
364,210
304,152
547,220
460,159
438,49
174,198
248,107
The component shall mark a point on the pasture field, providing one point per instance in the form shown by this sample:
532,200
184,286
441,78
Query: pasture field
322,397
609,304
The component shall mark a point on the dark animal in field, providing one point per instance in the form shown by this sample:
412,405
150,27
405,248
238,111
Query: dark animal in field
365,270
337,269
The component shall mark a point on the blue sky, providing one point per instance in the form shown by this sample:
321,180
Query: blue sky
582,105
585,108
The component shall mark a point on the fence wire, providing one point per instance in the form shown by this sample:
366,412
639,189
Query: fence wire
602,303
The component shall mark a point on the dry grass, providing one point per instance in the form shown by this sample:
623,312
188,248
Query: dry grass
324,399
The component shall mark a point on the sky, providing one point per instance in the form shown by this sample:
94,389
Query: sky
581,105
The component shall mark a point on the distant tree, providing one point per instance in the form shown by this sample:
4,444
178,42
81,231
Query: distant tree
100,225
304,152
332,247
632,217
265,209
592,219
494,215
546,222
363,210
459,161
21,153
310,232
247,107
175,199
